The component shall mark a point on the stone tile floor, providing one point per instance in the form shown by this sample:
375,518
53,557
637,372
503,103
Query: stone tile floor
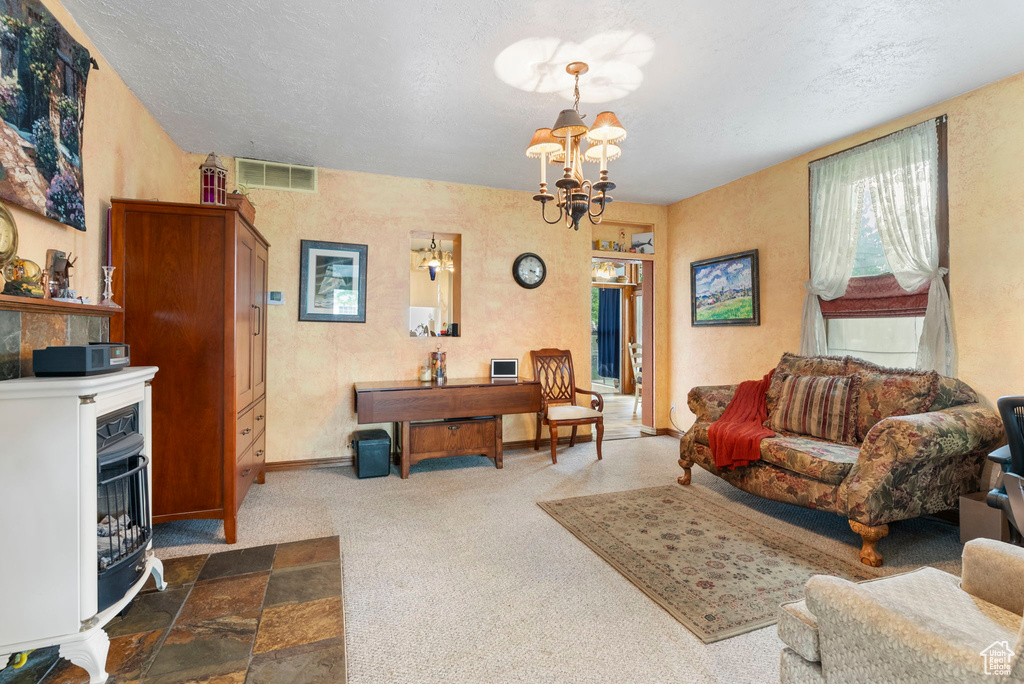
259,615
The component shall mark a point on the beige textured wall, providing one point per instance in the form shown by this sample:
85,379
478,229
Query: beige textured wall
127,154
768,210
312,365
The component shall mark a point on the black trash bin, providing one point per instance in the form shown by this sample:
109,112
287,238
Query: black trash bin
373,452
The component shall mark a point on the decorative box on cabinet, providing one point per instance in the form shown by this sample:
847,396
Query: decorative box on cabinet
192,281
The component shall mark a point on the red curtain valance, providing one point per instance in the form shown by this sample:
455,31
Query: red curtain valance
876,297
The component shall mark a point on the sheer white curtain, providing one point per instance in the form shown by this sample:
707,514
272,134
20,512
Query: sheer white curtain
902,174
837,194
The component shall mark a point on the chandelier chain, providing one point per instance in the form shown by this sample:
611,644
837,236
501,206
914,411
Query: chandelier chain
576,95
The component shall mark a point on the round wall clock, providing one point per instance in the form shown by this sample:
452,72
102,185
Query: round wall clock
529,270
8,237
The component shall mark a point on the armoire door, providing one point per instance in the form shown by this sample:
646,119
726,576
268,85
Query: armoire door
245,255
259,339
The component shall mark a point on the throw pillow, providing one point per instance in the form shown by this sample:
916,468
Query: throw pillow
791,364
893,392
819,406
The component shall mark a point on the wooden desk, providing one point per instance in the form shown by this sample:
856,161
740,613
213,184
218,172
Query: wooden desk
406,401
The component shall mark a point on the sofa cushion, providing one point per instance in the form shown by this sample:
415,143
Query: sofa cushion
953,392
798,629
818,406
791,364
893,393
814,458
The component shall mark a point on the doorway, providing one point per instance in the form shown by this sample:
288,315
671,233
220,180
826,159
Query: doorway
616,344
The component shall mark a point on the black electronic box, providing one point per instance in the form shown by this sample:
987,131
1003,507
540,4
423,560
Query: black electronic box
77,360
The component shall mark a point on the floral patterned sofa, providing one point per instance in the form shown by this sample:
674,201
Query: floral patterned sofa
922,438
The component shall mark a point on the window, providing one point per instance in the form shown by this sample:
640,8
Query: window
888,340
866,311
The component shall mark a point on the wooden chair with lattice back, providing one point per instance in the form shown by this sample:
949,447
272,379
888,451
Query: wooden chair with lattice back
558,407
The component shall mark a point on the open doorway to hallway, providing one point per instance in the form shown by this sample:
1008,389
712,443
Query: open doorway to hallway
617,344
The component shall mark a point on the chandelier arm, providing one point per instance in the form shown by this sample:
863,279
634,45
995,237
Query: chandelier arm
604,205
543,214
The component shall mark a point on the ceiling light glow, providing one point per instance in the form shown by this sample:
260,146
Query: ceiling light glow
537,65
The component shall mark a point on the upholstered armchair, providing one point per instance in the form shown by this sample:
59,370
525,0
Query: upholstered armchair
923,626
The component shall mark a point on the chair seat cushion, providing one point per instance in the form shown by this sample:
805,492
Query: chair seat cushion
817,459
798,629
557,413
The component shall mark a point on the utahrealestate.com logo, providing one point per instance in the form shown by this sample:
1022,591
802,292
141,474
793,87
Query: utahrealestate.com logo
997,657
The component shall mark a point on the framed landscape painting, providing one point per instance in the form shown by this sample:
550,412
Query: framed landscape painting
332,282
725,290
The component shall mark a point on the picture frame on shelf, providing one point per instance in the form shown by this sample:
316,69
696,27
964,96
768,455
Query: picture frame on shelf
332,282
726,290
642,243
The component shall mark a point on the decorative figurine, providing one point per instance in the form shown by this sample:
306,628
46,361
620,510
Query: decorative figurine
22,278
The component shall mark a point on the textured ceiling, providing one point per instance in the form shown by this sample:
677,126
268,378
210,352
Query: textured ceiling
709,91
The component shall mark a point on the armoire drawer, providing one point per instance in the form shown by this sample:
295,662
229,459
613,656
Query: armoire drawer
259,451
259,413
245,473
244,433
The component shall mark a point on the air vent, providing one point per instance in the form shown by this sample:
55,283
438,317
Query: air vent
254,173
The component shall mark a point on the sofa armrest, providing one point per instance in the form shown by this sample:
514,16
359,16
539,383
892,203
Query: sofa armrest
994,572
708,403
915,465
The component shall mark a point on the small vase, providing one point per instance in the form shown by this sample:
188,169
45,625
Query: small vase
108,292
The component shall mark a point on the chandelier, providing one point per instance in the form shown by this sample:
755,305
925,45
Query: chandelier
435,260
575,195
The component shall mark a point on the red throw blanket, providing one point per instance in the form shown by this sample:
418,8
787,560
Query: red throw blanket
736,437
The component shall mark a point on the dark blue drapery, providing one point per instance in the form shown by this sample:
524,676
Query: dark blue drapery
608,323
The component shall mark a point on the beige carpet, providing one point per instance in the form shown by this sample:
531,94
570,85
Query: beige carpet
710,567
456,575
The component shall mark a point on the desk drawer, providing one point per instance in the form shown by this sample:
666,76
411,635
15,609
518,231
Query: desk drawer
452,438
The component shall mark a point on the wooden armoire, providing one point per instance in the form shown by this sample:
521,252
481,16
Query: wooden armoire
192,281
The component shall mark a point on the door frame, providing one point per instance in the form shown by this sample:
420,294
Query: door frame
645,268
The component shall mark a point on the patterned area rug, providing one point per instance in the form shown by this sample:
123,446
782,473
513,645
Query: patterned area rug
715,571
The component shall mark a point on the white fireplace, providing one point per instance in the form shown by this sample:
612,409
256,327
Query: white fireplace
49,514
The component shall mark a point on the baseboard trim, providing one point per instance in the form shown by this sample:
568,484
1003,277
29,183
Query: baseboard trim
671,432
310,463
544,442
337,461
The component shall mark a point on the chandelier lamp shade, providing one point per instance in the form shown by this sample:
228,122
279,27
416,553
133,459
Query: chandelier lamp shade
575,196
214,181
435,259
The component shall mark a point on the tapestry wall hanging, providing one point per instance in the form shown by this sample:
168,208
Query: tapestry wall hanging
43,72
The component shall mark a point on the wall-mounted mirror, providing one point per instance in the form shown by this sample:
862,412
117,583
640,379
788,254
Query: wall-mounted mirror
435,283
